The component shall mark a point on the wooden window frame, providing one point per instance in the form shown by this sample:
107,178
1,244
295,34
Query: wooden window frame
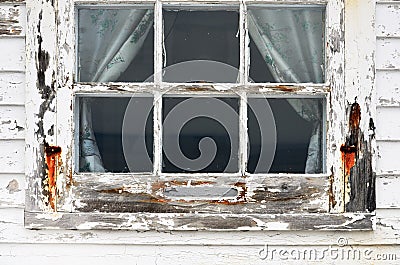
55,192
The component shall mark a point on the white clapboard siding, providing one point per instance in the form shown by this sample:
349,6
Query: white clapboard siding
12,190
12,110
388,157
12,54
216,255
388,87
388,53
388,20
12,156
12,122
388,123
388,192
12,88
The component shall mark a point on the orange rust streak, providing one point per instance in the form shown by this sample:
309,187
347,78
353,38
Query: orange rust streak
243,191
348,158
355,116
52,159
285,88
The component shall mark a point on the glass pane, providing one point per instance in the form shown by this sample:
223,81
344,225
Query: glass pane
200,134
115,44
115,134
287,44
210,35
285,135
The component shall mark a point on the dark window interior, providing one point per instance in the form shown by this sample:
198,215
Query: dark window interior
292,138
107,119
259,72
201,35
196,129
292,131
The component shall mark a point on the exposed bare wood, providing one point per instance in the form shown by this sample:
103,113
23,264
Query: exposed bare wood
13,231
171,221
287,90
12,122
12,20
12,191
280,194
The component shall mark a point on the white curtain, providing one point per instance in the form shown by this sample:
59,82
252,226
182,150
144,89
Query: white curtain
291,43
108,42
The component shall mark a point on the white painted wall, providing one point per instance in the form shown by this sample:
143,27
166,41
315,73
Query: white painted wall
21,246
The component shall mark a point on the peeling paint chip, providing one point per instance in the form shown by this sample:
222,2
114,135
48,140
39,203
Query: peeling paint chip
13,186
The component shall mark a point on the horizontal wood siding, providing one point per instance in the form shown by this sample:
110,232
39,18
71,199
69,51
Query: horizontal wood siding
12,100
12,88
388,119
388,88
388,20
388,110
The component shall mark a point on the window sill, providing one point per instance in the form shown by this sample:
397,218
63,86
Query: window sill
209,222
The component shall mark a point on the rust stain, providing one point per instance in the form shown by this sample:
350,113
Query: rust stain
242,190
9,23
161,185
350,148
53,162
285,88
348,158
158,186
115,191
196,89
227,202
355,116
115,88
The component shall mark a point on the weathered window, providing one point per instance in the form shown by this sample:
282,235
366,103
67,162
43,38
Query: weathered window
194,116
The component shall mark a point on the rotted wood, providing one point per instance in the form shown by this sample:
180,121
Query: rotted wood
199,221
357,164
278,194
